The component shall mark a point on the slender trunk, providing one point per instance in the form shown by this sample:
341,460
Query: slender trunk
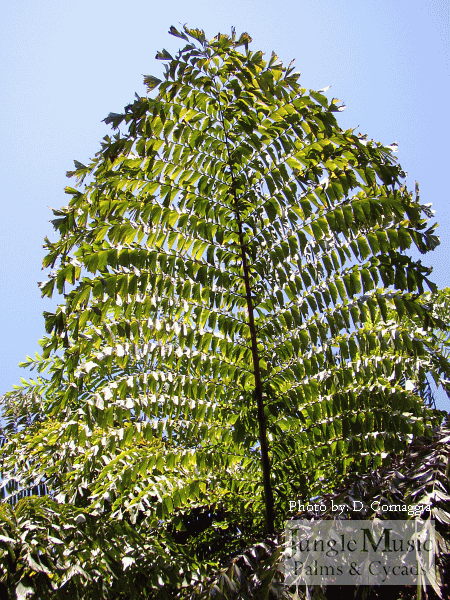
264,447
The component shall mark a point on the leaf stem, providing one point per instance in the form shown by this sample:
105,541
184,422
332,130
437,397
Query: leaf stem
264,446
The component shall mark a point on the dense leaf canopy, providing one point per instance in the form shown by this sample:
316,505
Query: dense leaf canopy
240,326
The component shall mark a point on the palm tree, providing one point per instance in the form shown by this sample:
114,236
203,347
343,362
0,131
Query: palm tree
219,349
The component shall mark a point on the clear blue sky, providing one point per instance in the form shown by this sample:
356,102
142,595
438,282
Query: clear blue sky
65,65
